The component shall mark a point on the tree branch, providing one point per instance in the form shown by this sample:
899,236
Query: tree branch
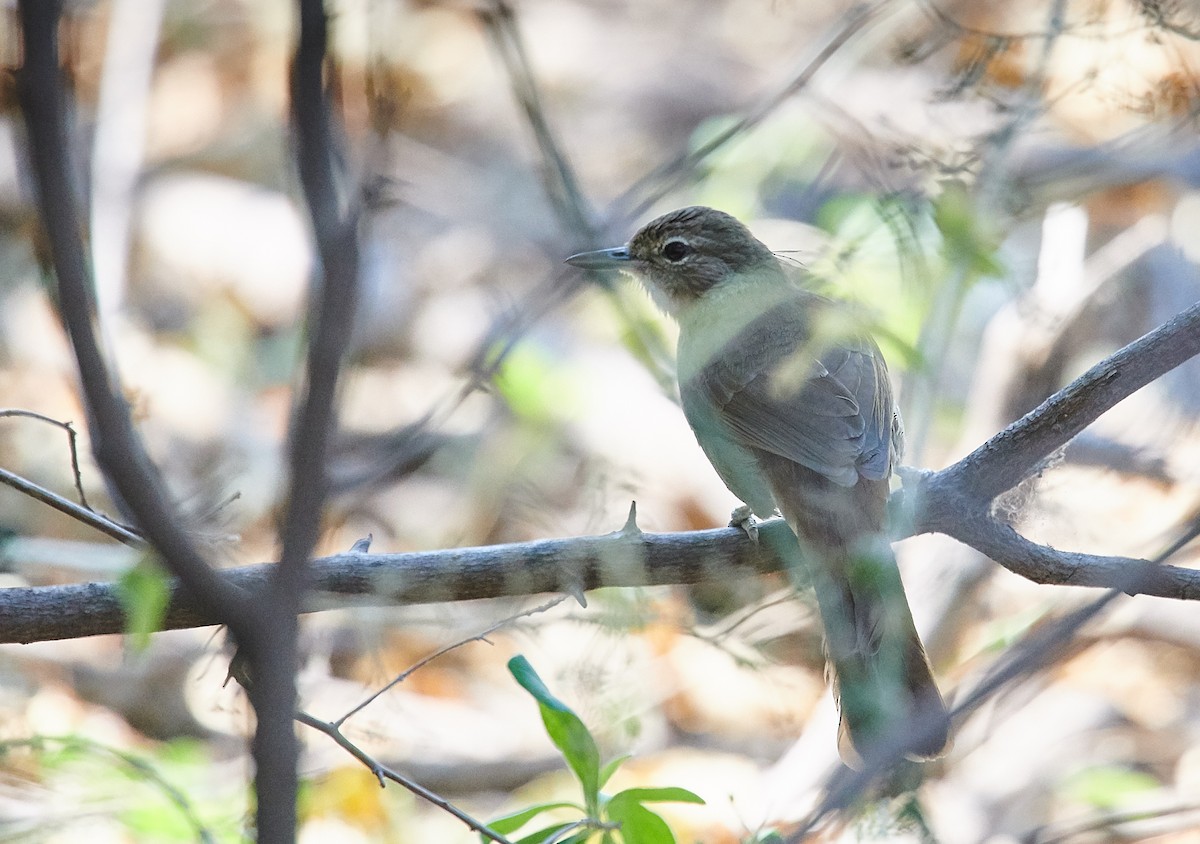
78,512
1016,452
627,557
117,448
944,502
959,501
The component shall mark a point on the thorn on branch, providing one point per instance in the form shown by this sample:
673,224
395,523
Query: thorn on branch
630,528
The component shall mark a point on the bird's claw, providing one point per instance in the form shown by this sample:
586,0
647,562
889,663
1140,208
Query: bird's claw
743,517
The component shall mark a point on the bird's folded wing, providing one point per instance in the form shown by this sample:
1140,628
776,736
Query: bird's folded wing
828,409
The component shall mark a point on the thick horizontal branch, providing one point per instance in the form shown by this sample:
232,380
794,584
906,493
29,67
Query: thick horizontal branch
627,557
957,501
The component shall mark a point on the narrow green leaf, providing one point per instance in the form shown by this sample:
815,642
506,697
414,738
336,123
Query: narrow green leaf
610,768
544,834
514,821
656,795
566,731
144,592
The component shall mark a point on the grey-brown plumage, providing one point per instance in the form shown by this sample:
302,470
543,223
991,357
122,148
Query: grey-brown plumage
793,406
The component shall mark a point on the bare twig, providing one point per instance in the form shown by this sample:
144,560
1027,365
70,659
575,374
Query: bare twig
72,444
82,514
481,636
1186,815
562,185
647,190
383,772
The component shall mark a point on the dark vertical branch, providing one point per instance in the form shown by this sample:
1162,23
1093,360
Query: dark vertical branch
331,317
332,313
115,444
267,637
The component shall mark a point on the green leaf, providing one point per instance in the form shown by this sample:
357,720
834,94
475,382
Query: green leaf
145,592
657,795
537,385
566,731
577,838
610,768
638,824
514,821
966,237
1109,786
546,834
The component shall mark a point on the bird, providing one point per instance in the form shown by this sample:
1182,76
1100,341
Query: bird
791,402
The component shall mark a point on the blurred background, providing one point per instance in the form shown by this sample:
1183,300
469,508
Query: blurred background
1009,190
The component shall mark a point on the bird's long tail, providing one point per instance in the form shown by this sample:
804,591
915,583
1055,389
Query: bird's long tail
882,678
881,675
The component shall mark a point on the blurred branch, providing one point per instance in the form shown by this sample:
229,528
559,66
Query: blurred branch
272,659
117,448
562,186
1178,818
138,769
650,188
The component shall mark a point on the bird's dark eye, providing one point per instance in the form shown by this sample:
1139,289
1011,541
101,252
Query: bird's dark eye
676,250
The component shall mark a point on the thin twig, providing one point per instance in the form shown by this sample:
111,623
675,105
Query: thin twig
647,190
1067,832
440,652
72,444
382,772
562,185
85,515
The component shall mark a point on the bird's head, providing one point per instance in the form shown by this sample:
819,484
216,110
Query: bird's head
683,255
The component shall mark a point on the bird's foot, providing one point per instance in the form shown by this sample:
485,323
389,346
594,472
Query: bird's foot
742,517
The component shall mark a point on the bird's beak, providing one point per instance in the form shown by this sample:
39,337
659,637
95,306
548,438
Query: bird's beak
601,259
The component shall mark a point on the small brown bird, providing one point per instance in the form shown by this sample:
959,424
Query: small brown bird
793,407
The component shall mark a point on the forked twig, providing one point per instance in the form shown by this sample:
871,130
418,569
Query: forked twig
72,444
